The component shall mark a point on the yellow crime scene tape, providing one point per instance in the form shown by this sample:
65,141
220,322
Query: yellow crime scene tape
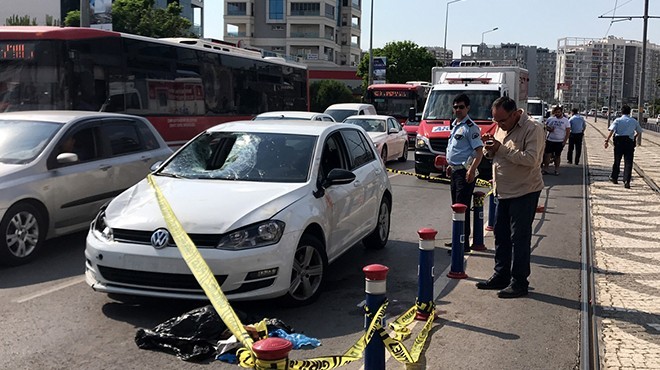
246,357
480,182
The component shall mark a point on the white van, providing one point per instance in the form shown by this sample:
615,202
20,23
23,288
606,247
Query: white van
340,111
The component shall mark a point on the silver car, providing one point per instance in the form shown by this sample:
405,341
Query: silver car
57,168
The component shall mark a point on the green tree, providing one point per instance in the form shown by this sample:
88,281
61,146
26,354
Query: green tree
51,21
25,20
72,18
139,17
406,61
327,92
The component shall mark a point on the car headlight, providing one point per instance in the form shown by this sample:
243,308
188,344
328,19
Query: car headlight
253,236
420,143
100,228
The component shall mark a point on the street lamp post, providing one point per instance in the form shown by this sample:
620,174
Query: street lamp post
447,20
370,80
485,32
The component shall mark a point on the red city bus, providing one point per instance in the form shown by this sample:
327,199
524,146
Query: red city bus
183,86
396,99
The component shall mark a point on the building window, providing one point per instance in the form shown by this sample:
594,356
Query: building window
276,9
306,9
329,11
236,9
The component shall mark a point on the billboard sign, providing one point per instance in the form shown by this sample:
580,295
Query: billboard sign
380,70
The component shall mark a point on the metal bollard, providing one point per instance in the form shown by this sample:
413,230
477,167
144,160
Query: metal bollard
492,207
375,288
478,221
425,273
272,353
457,240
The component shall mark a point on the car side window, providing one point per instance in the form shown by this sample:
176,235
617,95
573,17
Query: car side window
84,142
359,148
327,119
121,138
333,155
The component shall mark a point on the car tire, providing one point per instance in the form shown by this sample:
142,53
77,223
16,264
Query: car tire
379,237
310,264
404,155
383,154
23,232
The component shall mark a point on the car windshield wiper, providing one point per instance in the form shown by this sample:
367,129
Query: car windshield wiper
168,174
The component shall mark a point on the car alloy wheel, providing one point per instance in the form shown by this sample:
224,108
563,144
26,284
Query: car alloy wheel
379,237
309,267
404,155
23,233
383,154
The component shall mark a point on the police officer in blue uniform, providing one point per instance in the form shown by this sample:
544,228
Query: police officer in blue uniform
463,157
625,130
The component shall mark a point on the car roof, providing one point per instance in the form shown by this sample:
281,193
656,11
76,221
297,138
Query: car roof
283,126
348,106
291,113
369,116
60,116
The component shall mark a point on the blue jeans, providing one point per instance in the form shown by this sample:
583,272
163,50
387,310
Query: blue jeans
513,235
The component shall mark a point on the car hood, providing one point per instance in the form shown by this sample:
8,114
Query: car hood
202,206
8,169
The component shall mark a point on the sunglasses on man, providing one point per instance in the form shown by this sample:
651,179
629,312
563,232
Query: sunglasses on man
460,106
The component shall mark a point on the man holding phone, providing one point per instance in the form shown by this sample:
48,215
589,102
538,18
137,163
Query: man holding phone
517,151
464,153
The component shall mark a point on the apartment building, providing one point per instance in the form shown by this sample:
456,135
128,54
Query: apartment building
540,62
322,33
588,69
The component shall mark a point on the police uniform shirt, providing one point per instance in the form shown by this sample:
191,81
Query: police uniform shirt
465,137
625,126
577,124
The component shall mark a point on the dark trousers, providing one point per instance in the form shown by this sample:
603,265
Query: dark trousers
461,192
624,147
513,233
575,141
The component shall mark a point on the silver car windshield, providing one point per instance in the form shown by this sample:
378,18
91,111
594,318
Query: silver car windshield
22,141
369,125
266,157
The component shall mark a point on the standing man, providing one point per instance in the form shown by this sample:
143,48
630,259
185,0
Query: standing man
558,133
578,125
464,153
625,130
517,151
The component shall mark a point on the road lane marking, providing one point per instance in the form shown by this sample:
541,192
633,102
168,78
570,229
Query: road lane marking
52,289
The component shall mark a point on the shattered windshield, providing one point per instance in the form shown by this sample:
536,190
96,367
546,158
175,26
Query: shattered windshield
246,156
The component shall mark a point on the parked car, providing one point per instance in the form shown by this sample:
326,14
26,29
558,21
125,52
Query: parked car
411,127
387,134
58,167
268,204
342,110
295,115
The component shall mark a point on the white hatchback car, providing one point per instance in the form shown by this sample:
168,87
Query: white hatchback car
268,204
295,115
57,168
390,138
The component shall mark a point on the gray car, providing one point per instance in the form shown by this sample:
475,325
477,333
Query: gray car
57,168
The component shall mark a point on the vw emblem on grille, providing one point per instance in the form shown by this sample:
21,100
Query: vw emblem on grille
160,238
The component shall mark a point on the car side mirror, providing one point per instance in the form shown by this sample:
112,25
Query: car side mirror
338,176
392,131
155,166
64,158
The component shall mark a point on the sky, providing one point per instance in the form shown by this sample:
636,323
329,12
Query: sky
527,22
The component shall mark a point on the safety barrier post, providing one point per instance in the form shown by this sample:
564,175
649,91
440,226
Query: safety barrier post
272,353
457,240
375,288
492,207
425,273
478,221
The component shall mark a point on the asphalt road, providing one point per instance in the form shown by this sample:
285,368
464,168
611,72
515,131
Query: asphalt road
52,320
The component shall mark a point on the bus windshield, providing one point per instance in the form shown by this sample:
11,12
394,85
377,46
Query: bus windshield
397,108
439,104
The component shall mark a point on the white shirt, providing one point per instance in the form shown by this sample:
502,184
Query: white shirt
557,128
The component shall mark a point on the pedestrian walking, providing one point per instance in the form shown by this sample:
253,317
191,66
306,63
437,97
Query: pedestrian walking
578,125
517,151
626,131
558,132
464,153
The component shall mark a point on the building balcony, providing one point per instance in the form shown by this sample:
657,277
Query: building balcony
305,13
306,35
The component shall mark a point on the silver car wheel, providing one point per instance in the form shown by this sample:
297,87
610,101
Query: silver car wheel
307,274
22,234
383,221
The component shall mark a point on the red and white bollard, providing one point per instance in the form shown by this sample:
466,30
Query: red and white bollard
272,353
425,273
375,288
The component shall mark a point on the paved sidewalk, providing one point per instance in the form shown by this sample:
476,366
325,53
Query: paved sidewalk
626,235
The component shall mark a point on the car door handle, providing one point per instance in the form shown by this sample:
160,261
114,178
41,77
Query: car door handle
377,171
357,183
145,158
105,167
